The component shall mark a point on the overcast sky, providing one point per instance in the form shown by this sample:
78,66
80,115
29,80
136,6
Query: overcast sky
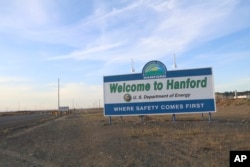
80,41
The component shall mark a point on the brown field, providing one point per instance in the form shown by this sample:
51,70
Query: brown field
84,138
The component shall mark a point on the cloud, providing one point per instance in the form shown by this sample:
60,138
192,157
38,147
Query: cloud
159,27
147,29
84,54
26,96
242,84
20,14
11,80
83,94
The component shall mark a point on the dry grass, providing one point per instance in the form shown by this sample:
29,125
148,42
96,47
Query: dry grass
232,102
197,140
143,132
158,141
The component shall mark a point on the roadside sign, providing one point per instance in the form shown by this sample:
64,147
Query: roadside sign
159,91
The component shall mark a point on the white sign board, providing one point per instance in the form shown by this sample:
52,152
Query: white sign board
63,108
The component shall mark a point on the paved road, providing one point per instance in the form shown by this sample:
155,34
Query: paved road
18,121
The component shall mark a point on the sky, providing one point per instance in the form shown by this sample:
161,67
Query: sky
80,41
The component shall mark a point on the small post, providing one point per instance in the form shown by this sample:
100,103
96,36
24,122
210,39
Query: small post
202,115
174,117
121,118
142,118
110,121
209,117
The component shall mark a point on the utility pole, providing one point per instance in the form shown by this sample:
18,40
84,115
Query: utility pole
99,104
58,94
175,65
132,66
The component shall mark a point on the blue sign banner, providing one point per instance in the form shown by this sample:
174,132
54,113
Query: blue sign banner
169,74
164,107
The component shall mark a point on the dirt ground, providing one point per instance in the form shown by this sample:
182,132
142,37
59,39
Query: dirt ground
84,138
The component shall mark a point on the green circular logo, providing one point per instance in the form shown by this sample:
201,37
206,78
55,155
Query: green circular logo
127,97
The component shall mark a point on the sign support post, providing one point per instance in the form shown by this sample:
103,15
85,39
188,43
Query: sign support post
209,117
142,118
174,117
110,121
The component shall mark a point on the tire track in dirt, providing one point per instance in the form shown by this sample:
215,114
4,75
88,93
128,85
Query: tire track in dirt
27,158
30,129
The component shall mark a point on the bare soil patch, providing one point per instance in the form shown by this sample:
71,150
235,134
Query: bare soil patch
84,138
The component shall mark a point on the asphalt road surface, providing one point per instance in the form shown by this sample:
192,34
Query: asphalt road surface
19,121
